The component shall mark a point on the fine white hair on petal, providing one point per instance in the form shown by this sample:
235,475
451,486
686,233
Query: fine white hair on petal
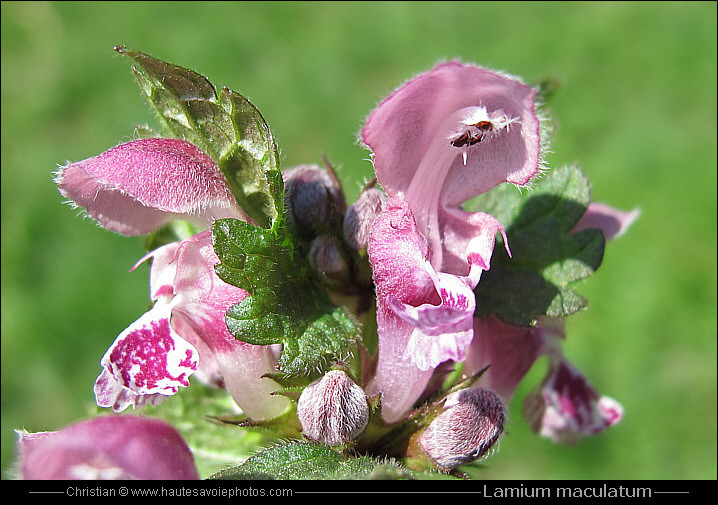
500,120
475,115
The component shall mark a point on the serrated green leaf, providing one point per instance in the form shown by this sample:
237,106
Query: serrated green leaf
546,257
303,319
252,258
226,126
285,306
309,461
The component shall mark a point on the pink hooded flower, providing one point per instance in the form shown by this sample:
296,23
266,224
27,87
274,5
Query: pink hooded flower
107,448
185,332
565,407
140,185
444,137
133,189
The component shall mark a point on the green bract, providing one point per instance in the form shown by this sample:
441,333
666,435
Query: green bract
284,305
546,257
302,460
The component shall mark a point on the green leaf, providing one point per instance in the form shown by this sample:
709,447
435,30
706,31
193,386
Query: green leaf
226,126
284,305
546,257
303,460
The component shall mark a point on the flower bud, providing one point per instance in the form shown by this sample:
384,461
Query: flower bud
107,448
333,410
361,215
465,431
315,198
327,260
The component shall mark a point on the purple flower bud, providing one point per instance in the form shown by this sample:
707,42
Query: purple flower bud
469,427
107,448
315,198
361,215
327,260
449,135
333,410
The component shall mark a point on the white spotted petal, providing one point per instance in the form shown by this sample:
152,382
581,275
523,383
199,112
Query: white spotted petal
148,358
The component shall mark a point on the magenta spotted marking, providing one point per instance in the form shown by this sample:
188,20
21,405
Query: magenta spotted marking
453,300
141,358
577,398
188,362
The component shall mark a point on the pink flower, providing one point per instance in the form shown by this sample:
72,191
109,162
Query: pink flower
107,448
565,407
440,139
183,333
138,186
424,317
509,351
133,189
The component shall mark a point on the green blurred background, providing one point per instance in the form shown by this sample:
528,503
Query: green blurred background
636,108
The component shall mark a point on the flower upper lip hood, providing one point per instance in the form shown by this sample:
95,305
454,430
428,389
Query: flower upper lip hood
401,130
138,186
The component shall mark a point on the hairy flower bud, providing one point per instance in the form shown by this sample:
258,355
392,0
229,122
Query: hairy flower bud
333,410
361,215
327,260
315,198
466,430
